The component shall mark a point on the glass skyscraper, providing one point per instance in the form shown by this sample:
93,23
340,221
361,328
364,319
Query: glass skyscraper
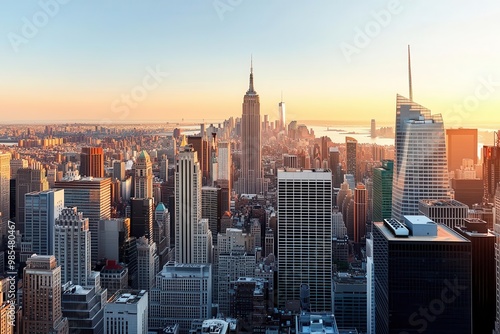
382,191
420,167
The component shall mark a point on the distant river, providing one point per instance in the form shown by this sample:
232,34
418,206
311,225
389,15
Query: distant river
338,133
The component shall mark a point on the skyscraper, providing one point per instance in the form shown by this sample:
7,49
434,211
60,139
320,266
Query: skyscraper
143,176
211,208
187,202
72,246
169,302
250,181
422,277
41,211
201,147
147,263
42,297
28,180
92,162
119,170
282,108
92,196
461,144
448,212
304,213
4,191
491,169
141,217
351,153
360,206
483,273
382,191
420,167
127,312
334,164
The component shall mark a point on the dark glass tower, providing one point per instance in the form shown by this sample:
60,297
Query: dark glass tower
422,277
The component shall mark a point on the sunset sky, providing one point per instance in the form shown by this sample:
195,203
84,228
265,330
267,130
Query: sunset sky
92,60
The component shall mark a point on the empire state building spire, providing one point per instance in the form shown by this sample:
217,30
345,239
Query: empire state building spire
250,90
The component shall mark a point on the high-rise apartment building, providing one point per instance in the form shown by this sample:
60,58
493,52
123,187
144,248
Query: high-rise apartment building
382,191
41,212
143,177
28,180
422,276
92,162
42,311
304,211
250,181
420,167
461,144
72,246
92,197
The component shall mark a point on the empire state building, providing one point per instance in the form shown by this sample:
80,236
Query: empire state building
250,181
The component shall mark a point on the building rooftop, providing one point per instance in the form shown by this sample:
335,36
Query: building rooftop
444,234
316,323
70,289
185,270
214,326
127,297
442,202
302,170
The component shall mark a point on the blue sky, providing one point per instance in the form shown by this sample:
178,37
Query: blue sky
91,52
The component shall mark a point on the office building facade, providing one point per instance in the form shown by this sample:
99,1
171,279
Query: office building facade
421,265
304,210
420,166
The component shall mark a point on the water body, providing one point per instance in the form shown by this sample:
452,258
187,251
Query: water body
338,134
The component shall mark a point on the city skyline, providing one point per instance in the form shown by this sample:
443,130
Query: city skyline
79,61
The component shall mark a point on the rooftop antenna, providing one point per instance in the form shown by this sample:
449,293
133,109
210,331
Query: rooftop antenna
409,74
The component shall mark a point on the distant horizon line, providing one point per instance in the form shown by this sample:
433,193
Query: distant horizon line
313,122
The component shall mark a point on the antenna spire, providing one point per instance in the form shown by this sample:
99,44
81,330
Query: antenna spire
409,74
250,88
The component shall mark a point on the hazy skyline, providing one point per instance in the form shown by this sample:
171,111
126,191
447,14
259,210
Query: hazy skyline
78,61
